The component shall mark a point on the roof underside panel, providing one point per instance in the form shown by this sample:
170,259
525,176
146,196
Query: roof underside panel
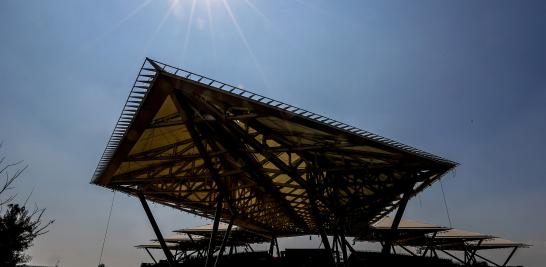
278,171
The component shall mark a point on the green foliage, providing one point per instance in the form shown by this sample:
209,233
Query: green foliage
16,235
19,226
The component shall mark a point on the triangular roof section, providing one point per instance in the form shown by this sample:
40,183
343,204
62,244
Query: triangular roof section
184,139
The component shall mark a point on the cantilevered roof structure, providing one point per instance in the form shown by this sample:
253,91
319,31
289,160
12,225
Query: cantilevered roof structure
189,142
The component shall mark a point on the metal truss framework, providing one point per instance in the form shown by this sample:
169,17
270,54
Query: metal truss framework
202,146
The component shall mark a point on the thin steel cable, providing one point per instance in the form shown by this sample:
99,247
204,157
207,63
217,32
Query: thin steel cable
107,226
445,204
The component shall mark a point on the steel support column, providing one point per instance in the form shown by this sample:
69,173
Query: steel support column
472,255
487,260
510,256
326,243
224,241
151,256
454,257
271,246
158,234
343,248
407,250
212,243
277,246
394,227
335,247
349,246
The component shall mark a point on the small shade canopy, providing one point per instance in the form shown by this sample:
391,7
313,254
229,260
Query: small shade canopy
386,224
181,238
431,237
205,229
238,234
156,245
463,235
407,230
194,238
494,243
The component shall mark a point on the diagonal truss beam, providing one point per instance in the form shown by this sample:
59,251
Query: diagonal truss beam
233,143
186,110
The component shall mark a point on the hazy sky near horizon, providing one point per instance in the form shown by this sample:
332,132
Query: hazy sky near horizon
462,79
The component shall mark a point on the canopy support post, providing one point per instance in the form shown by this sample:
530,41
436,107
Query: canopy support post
349,246
224,242
472,257
158,234
343,248
277,246
407,250
212,239
335,247
326,243
490,261
510,256
151,256
394,227
271,246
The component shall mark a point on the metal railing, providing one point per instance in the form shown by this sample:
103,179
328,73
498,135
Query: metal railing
139,91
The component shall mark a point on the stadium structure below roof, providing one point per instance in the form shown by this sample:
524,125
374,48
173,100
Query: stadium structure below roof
190,142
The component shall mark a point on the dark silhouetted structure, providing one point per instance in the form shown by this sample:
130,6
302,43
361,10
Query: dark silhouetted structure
203,146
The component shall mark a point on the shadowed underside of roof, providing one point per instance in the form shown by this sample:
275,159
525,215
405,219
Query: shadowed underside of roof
184,140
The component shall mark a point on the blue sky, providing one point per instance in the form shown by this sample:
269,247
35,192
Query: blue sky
462,79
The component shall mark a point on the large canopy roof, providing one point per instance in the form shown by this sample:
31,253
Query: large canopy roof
184,139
